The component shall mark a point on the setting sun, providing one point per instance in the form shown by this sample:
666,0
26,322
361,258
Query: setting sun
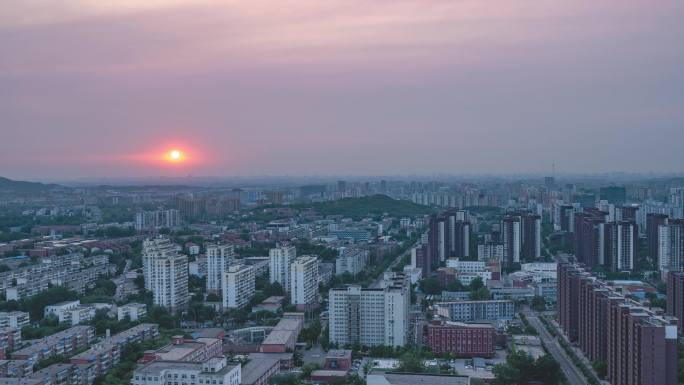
175,156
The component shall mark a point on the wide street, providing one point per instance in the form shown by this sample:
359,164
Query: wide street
573,374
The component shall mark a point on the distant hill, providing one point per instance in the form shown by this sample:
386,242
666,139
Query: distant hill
371,205
9,185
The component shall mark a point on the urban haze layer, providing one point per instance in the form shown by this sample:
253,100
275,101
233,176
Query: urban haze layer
536,280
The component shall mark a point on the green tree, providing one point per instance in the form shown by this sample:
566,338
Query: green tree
476,284
411,362
430,286
481,294
538,303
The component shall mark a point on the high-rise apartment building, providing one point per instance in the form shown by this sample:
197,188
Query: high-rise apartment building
612,245
238,286
653,223
675,297
622,245
671,245
371,317
166,273
279,265
219,257
448,237
511,229
589,236
531,236
304,282
638,345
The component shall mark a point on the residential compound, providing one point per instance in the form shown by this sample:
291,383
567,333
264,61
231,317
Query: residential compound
475,311
638,345
74,271
238,286
219,257
166,273
66,342
371,317
71,312
107,353
304,282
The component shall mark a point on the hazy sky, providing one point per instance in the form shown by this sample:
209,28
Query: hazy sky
101,88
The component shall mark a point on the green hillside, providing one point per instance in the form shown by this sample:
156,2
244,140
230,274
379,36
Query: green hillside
374,205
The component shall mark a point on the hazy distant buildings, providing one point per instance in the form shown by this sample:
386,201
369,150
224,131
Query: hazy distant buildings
157,219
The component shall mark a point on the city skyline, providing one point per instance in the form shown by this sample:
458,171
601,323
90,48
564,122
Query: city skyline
339,88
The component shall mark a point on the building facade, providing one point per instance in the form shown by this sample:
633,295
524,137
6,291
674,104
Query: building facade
279,264
304,282
219,257
638,345
166,273
371,317
238,286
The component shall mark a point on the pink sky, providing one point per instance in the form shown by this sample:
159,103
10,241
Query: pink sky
92,89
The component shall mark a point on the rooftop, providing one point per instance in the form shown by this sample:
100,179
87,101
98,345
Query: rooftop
256,368
415,379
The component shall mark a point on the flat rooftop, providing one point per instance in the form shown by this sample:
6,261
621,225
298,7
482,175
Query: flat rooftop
278,337
415,379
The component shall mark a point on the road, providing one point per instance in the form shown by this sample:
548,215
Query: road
573,374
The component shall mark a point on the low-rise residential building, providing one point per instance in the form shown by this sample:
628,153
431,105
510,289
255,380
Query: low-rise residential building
215,370
107,353
473,311
461,339
10,338
14,319
66,342
71,312
134,311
